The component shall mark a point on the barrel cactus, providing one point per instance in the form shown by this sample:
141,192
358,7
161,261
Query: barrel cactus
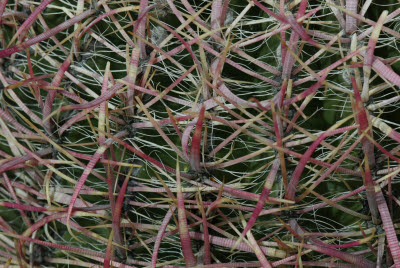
224,133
